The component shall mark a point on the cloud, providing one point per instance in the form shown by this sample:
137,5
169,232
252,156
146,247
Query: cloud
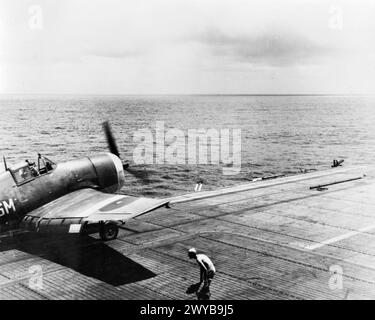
268,48
187,46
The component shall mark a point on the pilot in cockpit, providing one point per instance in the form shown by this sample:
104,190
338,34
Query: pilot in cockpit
44,164
33,168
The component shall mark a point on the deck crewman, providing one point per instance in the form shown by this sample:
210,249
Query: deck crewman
207,268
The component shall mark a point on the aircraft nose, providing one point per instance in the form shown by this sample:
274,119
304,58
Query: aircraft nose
119,168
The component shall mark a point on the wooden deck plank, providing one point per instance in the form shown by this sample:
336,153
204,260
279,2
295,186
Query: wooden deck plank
273,239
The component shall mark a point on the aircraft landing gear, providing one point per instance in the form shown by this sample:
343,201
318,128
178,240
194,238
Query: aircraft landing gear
108,231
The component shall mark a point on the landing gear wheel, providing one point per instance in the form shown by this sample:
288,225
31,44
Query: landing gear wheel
108,231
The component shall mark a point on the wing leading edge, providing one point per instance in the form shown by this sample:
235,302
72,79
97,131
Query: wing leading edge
87,206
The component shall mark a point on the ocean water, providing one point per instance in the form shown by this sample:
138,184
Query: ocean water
279,134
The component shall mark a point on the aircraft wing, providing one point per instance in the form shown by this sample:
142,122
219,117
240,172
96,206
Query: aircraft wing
69,212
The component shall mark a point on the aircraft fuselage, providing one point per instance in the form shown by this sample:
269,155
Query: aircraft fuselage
21,191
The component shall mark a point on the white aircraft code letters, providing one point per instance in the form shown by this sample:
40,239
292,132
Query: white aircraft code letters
7,207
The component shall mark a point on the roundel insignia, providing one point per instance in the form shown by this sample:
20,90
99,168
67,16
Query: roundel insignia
118,204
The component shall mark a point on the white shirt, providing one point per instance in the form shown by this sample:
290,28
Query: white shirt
206,262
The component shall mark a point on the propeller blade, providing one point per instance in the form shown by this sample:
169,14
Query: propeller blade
140,174
110,139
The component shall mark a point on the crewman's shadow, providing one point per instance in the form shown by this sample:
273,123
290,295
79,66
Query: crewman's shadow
87,255
203,294
193,288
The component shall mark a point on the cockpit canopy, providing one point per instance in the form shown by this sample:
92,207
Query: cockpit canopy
26,171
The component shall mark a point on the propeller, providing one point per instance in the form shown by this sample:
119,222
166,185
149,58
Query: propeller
143,175
110,139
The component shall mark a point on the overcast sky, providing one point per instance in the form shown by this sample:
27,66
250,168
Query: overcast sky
187,46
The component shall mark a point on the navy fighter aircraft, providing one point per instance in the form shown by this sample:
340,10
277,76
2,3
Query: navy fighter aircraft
71,197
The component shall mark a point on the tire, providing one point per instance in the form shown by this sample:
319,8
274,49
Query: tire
108,231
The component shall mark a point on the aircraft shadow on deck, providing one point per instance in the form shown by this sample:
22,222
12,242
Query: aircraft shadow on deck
87,256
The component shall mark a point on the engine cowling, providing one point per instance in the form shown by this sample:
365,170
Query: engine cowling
109,172
103,171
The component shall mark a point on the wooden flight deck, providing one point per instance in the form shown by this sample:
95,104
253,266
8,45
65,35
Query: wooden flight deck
272,239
